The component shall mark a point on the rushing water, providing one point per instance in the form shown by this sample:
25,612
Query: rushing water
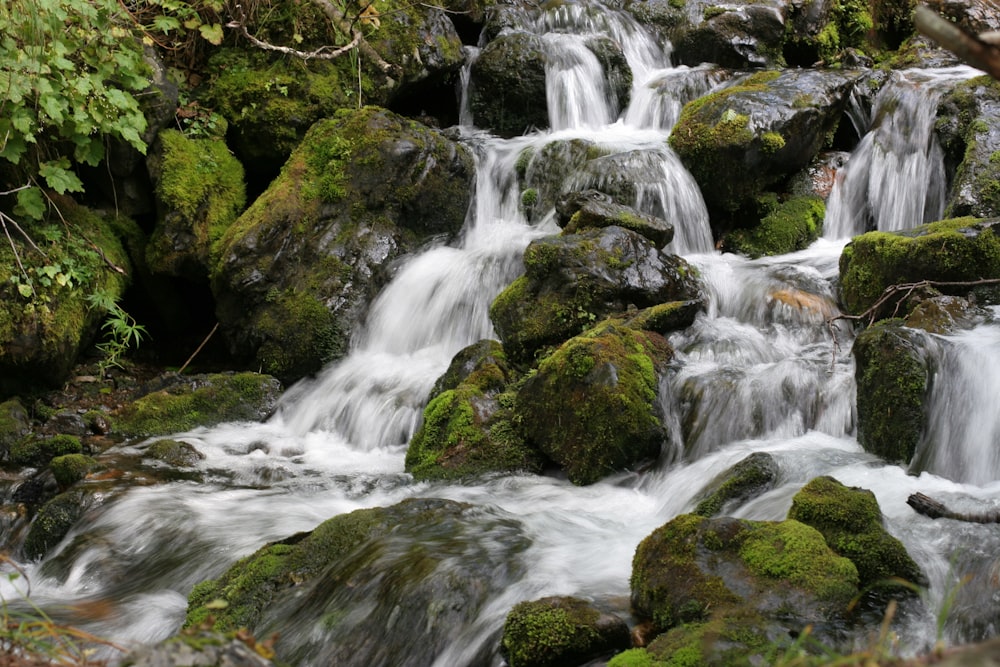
759,371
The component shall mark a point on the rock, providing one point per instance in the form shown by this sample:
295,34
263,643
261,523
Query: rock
943,314
199,194
199,400
785,226
53,522
413,575
69,469
69,422
851,523
592,405
556,631
199,649
301,265
963,249
775,577
892,374
736,35
617,72
759,131
970,127
507,84
39,450
175,453
481,364
597,215
574,280
749,478
14,425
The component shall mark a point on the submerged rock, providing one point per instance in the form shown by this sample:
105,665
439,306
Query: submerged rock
742,482
556,631
377,586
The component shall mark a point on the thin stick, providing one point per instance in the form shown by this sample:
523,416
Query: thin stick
195,353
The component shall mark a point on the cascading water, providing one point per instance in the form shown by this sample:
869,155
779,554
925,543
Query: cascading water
759,371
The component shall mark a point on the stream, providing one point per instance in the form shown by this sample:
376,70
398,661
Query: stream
759,371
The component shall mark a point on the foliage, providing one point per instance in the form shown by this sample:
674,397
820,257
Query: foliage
122,332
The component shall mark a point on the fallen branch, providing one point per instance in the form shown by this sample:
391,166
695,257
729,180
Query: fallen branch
970,48
195,353
891,291
936,510
323,52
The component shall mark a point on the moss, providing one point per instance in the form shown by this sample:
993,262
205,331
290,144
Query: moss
851,523
786,227
961,249
300,334
591,406
14,425
52,523
748,478
735,637
635,657
529,198
38,451
69,469
772,142
550,632
211,400
174,452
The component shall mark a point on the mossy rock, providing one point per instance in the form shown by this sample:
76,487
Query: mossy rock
175,453
39,450
592,405
598,214
556,631
53,521
14,425
299,268
45,324
203,648
507,85
482,364
694,568
199,401
958,250
892,372
786,226
664,318
68,469
749,478
851,523
467,432
199,192
968,119
434,562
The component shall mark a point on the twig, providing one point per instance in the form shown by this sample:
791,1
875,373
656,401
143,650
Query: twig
892,290
195,353
323,52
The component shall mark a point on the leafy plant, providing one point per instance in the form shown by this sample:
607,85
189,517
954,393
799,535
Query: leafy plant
121,330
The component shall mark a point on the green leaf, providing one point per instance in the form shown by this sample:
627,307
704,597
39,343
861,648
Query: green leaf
58,176
212,33
25,290
30,203
166,23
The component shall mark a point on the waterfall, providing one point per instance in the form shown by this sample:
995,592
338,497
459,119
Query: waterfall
895,177
760,370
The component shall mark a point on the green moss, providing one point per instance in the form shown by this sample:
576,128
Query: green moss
797,553
211,400
52,523
748,478
786,227
540,634
39,451
772,142
635,657
69,469
174,452
300,334
961,249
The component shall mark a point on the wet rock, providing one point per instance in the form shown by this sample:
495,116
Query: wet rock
617,72
68,421
785,226
199,400
547,170
969,124
741,483
574,280
851,523
959,250
175,453
53,522
556,631
507,84
412,575
301,265
759,131
14,425
597,215
736,35
772,578
199,649
69,469
592,405
482,364
892,374
975,17
199,192
942,314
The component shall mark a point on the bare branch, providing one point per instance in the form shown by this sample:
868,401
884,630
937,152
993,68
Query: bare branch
969,48
893,290
323,52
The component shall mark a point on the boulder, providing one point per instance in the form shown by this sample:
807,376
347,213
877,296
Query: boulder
736,35
785,226
14,425
507,85
573,280
958,250
413,575
851,523
556,631
202,649
759,131
596,214
299,268
969,124
742,482
592,405
181,403
892,372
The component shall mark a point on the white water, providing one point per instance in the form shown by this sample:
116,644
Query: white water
759,371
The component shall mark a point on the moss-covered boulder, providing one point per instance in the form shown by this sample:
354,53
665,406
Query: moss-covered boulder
694,569
53,522
758,132
851,523
597,214
174,453
507,83
38,450
185,402
969,124
199,193
745,480
963,249
785,226
557,631
300,266
14,425
482,364
573,280
434,563
892,372
592,405
46,320
69,469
